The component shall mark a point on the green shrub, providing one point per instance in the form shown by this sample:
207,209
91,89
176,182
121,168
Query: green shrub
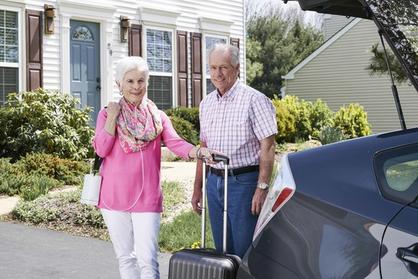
35,186
60,210
330,134
68,172
300,109
44,121
352,120
189,114
36,174
285,122
12,177
185,129
320,116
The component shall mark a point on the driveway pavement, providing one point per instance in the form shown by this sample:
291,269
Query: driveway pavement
32,253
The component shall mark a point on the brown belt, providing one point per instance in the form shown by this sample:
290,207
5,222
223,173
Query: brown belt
237,171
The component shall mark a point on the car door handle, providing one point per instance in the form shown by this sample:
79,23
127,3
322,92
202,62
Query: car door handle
409,256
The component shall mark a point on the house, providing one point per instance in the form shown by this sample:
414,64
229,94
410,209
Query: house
73,46
336,73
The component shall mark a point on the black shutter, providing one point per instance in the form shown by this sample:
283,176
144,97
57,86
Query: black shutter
182,96
196,40
135,40
33,50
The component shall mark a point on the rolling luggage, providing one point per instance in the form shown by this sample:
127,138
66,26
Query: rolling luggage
206,263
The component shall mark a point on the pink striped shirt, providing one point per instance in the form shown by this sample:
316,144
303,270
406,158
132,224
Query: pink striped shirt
236,122
131,181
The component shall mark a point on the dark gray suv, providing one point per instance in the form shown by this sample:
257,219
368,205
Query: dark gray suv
347,210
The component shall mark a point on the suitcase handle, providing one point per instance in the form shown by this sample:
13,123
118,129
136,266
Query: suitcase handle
220,158
216,158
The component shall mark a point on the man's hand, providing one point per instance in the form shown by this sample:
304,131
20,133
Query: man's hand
258,200
197,200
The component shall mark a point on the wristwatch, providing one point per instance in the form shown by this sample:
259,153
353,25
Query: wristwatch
262,185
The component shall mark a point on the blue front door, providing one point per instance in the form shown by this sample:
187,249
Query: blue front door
85,64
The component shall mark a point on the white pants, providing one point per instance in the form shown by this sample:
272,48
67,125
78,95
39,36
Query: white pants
135,241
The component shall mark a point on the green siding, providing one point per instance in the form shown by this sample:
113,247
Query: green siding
338,76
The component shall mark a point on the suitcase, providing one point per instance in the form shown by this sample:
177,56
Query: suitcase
206,263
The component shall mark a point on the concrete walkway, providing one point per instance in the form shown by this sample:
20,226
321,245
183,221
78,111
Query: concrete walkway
30,252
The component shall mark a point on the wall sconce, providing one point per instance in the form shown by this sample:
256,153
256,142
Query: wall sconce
49,18
124,26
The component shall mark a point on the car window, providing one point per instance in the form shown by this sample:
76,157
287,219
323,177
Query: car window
397,173
401,172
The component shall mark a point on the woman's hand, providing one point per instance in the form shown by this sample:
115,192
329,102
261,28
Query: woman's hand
203,153
113,109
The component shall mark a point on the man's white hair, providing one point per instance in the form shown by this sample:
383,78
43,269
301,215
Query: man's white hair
225,48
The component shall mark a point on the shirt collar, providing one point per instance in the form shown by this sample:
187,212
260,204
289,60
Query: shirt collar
228,94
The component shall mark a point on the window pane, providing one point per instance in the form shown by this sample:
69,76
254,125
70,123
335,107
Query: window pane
2,16
402,171
209,86
9,37
397,173
160,91
159,50
11,54
8,82
82,33
11,20
210,42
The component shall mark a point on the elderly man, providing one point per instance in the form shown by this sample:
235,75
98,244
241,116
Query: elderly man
240,122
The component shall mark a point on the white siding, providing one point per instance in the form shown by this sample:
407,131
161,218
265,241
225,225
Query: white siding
338,76
188,20
334,23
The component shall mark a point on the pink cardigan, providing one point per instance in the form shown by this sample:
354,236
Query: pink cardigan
131,182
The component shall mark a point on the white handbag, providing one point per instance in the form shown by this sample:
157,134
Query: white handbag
92,184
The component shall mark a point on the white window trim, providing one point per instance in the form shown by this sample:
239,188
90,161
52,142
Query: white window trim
210,23
173,74
101,13
205,59
22,54
158,15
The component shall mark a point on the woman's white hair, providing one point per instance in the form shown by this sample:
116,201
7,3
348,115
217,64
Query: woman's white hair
225,48
130,63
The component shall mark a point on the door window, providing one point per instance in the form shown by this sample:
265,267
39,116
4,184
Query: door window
397,173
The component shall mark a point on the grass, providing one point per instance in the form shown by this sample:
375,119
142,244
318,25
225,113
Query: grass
174,195
184,232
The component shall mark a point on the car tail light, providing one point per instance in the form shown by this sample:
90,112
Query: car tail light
280,192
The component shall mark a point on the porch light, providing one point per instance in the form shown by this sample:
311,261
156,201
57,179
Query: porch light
49,18
124,27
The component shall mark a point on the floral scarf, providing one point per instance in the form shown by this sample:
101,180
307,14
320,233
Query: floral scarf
137,126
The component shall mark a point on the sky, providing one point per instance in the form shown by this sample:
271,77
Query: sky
311,18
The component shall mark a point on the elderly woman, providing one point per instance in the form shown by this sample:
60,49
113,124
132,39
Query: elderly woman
128,136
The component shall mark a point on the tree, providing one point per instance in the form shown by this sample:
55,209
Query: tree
276,42
378,65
